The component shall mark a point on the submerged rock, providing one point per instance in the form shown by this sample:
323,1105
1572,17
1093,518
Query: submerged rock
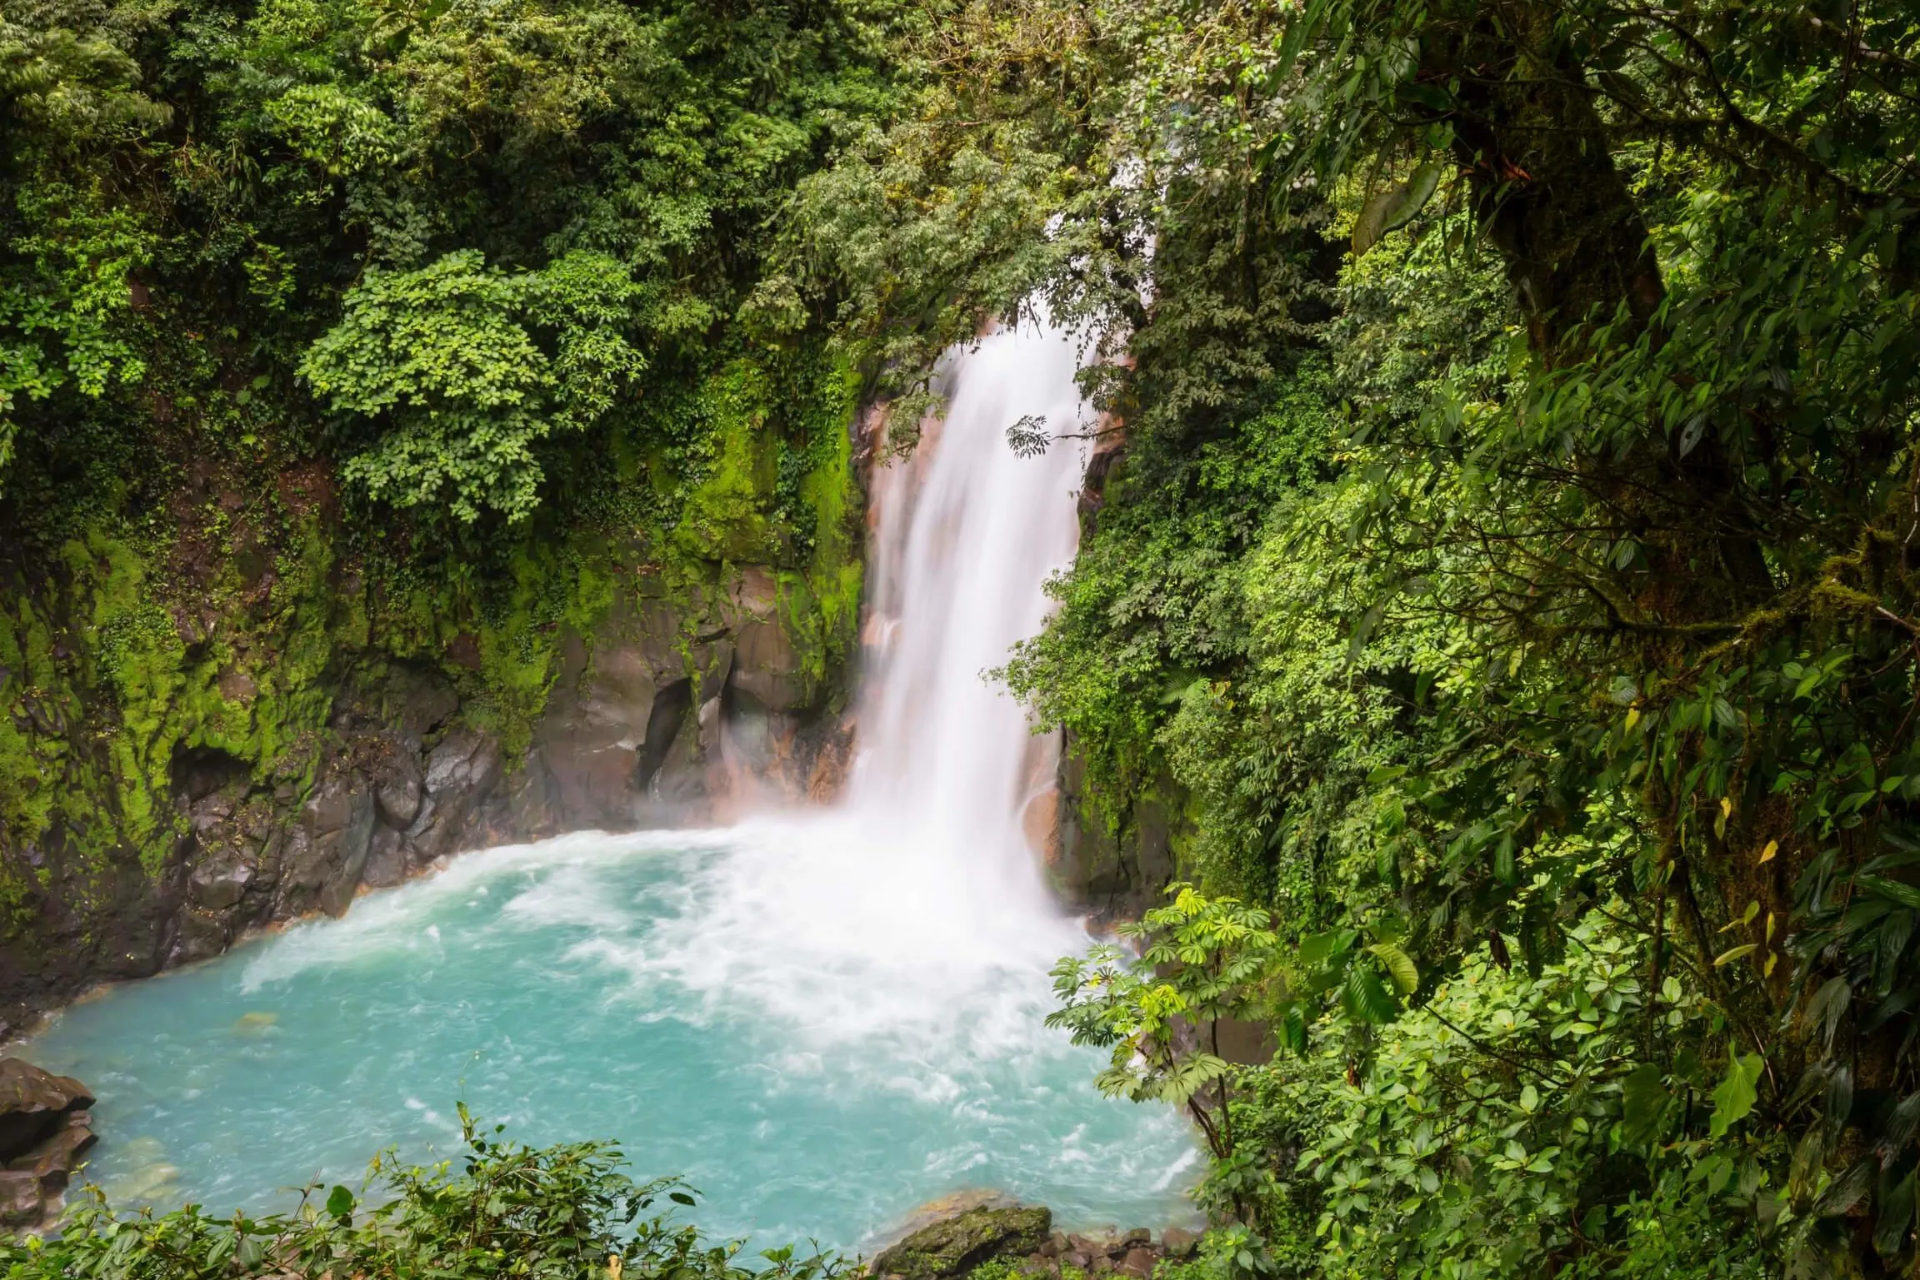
953,1246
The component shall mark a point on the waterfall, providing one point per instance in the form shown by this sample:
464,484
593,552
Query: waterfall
966,534
823,1017
916,906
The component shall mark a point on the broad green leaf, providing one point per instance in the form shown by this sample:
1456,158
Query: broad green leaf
1365,997
1399,966
1734,1098
1394,208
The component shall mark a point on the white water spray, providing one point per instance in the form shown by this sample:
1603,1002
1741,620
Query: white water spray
916,909
967,534
823,1019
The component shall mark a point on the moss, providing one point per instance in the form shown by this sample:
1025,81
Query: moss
953,1247
725,516
835,573
553,590
232,625
143,668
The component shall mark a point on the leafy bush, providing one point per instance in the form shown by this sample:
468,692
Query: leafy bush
1508,1124
461,370
1520,1125
565,1212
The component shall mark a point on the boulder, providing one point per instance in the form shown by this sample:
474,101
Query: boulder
327,849
54,1161
464,763
219,880
397,787
768,666
199,934
462,771
21,1202
386,860
34,1105
593,730
1178,1242
348,858
952,1247
1095,1246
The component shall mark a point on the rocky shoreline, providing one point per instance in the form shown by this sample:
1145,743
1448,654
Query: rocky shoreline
966,1233
657,716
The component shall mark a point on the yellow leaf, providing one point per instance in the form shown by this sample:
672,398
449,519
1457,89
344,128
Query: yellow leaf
1746,918
1726,807
1633,716
1766,854
1773,958
1769,926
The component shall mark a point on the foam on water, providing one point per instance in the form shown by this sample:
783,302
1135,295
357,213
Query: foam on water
823,1019
621,986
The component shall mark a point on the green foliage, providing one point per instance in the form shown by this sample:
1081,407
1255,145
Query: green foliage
332,335
1202,962
444,358
1519,1125
460,228
1594,588
507,1211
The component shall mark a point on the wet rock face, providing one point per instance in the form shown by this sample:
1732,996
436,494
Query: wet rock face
952,1247
398,787
652,718
34,1105
655,718
1111,874
45,1130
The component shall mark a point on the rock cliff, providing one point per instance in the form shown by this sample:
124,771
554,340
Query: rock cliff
253,712
657,713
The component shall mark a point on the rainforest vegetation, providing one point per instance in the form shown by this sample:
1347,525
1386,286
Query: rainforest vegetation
1503,564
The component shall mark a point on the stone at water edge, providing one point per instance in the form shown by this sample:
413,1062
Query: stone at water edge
44,1130
21,1203
1178,1242
54,1160
953,1247
33,1104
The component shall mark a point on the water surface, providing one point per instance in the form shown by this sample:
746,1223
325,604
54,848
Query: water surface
818,1042
822,1020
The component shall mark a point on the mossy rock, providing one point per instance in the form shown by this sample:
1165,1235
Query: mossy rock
954,1246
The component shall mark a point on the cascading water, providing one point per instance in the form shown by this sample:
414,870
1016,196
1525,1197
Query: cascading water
822,1019
968,536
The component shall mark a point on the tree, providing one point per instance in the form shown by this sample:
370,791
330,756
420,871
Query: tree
467,369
